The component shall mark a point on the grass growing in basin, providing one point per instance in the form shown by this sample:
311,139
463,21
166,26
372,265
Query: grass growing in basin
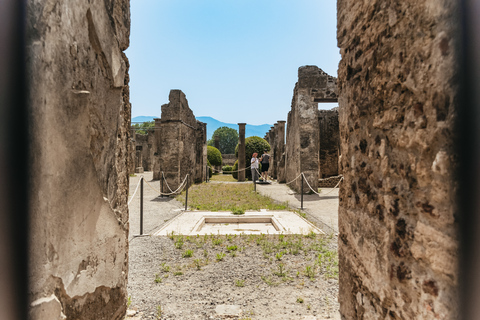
227,197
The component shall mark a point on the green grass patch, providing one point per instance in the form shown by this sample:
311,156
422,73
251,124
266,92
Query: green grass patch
227,197
223,178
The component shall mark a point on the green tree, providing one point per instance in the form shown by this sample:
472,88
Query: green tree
143,127
228,139
214,156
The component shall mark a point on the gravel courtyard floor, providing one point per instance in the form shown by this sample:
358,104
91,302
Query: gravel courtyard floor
242,277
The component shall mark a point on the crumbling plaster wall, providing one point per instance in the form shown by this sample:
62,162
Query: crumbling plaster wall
80,116
397,217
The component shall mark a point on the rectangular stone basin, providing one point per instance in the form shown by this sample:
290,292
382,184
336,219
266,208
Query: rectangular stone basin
266,222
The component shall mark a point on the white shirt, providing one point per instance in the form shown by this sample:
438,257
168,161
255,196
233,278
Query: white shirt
254,162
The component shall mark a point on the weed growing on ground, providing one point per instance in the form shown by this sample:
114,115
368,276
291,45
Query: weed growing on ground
217,241
188,253
178,273
310,272
281,270
279,256
220,256
240,283
197,263
164,267
300,300
159,312
158,279
232,248
129,301
238,211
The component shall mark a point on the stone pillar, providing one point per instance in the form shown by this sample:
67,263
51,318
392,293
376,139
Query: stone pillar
139,160
241,151
398,103
217,142
200,161
271,141
274,152
280,162
156,147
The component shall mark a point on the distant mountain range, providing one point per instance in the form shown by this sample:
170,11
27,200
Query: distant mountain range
214,124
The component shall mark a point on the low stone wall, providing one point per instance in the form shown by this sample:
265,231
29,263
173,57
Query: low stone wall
228,159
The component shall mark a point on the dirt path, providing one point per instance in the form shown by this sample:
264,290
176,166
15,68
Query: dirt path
264,278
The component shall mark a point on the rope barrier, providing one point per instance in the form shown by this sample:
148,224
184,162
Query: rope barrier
182,185
213,169
163,177
308,184
295,178
136,189
335,186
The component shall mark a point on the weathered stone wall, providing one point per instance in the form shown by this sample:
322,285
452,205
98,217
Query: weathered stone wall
329,142
397,219
80,120
147,144
182,140
302,143
228,159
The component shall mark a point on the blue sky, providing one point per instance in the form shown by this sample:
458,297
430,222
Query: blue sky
236,60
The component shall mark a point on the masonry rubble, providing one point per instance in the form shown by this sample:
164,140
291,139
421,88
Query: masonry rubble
181,144
398,96
80,142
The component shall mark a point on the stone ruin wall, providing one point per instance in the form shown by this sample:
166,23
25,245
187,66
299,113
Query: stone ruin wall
147,144
329,137
228,159
181,143
303,142
79,138
398,239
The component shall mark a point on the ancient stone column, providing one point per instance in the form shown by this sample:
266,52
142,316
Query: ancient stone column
280,143
201,143
241,151
156,156
273,152
139,160
217,142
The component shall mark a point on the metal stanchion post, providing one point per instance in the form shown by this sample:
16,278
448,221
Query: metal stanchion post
161,186
141,205
186,195
302,194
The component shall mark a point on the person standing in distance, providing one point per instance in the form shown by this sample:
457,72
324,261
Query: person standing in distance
254,166
265,160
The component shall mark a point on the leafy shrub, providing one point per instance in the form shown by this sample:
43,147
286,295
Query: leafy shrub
214,156
227,168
